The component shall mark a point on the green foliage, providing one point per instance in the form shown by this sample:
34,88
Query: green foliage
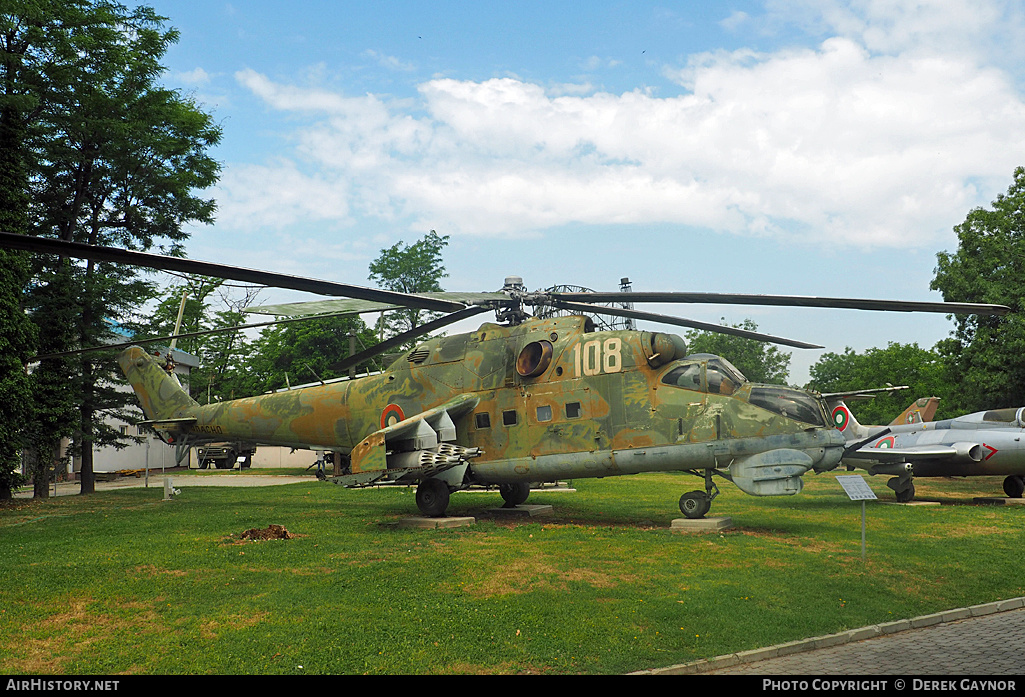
223,355
95,151
415,268
17,334
54,387
922,370
759,361
985,353
17,338
301,352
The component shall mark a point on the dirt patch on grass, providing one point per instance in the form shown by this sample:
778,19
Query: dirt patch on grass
151,571
533,572
209,629
271,532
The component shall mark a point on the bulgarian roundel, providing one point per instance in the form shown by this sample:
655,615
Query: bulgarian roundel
841,417
392,414
887,442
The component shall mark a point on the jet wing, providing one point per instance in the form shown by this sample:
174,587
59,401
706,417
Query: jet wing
958,451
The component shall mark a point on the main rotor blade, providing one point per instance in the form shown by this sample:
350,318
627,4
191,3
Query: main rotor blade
46,245
187,335
680,322
786,301
402,338
311,307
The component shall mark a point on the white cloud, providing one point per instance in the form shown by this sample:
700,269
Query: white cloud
278,194
852,141
197,77
735,20
389,62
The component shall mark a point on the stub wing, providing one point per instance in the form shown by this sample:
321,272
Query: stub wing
413,449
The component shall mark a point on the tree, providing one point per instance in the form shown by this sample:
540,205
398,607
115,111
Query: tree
758,360
985,353
53,380
223,354
302,352
110,158
32,35
922,370
416,268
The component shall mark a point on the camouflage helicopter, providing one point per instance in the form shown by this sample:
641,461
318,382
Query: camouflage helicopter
520,400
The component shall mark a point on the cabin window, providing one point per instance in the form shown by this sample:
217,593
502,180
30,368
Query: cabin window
482,420
544,413
509,418
573,410
686,376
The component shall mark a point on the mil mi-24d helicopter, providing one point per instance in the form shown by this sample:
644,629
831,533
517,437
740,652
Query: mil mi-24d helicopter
518,401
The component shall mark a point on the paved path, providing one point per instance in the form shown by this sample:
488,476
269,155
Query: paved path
156,481
984,640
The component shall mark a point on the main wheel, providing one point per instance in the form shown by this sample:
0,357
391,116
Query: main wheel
432,497
906,495
1014,487
695,504
514,494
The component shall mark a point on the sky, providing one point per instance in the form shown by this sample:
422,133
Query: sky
806,147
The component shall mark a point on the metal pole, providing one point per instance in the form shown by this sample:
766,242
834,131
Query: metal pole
178,322
863,529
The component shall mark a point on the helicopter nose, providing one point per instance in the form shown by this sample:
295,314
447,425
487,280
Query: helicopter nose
832,452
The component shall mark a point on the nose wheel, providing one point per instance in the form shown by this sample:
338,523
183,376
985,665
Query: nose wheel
695,504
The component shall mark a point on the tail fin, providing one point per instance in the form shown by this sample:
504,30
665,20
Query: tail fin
159,393
920,411
843,419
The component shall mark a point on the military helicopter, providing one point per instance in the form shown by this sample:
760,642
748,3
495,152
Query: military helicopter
520,400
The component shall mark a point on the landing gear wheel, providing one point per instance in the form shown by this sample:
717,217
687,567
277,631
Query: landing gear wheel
906,495
514,494
695,504
1014,487
432,497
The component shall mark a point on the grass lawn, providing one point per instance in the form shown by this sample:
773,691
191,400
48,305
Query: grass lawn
124,583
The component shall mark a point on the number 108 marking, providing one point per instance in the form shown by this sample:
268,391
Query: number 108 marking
596,357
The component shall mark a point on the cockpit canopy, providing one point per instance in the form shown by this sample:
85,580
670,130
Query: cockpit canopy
706,373
703,372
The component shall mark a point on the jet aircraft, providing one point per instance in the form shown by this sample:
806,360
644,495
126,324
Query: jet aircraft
984,443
